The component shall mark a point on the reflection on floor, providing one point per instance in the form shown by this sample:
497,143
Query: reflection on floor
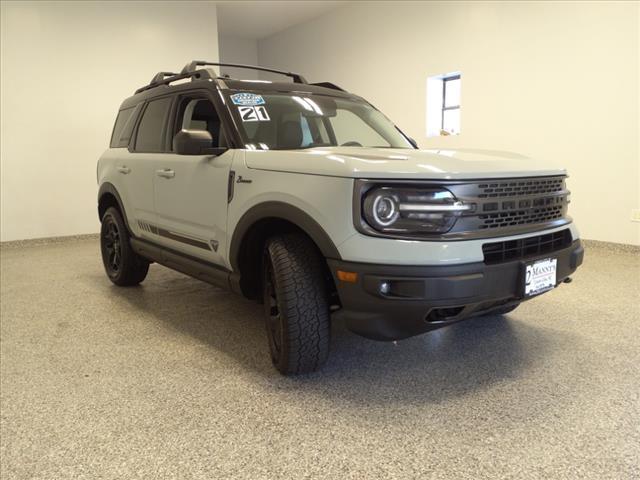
172,379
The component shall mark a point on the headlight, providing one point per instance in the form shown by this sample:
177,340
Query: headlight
411,210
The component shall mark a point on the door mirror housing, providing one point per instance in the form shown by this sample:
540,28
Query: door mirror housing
195,142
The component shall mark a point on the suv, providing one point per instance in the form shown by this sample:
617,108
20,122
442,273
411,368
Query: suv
306,198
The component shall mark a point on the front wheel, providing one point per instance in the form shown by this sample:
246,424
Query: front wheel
295,302
123,266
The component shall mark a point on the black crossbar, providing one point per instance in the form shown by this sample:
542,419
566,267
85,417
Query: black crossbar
193,66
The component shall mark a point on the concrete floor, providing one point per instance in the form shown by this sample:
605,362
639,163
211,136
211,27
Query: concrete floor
172,380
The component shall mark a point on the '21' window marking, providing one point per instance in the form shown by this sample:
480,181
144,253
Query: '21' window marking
254,114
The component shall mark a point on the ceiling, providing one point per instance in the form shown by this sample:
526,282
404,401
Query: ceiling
260,19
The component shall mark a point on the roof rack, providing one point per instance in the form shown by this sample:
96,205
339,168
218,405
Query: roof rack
191,70
333,86
193,66
160,76
165,78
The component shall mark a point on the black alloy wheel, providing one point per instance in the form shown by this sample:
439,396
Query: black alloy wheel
272,313
111,242
123,266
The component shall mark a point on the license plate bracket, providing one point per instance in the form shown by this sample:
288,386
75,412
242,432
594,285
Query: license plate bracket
539,276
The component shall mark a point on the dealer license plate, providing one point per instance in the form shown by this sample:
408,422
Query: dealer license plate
540,276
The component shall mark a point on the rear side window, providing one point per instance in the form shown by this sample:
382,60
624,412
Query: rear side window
151,130
123,127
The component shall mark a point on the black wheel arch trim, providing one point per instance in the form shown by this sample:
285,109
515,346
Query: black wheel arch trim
109,188
281,211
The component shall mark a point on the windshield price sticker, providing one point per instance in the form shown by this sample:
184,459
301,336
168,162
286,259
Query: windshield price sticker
253,114
247,99
540,276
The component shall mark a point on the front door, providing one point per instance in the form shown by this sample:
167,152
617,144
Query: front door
191,190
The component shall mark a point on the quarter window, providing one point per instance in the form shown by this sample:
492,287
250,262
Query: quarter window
150,136
124,127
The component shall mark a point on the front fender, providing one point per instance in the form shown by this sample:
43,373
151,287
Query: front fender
284,211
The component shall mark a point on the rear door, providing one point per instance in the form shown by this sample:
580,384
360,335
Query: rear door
146,148
191,191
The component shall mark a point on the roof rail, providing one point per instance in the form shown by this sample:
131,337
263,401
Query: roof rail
165,78
329,85
193,66
158,77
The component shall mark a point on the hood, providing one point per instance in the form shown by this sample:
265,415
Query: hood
358,162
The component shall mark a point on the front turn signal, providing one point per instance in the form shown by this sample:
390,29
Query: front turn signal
349,277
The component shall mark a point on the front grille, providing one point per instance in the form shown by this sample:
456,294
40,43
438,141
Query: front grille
521,217
512,205
498,252
516,188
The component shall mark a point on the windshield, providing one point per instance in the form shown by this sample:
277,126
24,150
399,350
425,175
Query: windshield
296,120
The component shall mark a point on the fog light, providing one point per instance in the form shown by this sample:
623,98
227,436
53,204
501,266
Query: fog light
385,288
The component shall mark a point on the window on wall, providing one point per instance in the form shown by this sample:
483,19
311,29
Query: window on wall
443,104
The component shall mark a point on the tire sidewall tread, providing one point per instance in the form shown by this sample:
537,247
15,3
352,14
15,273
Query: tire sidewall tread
302,301
134,268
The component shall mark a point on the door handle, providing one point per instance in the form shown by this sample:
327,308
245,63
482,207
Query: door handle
166,173
123,169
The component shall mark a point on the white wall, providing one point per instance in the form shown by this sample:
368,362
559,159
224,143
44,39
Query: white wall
239,50
554,80
66,66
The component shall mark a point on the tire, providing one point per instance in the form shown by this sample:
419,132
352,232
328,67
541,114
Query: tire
296,304
123,266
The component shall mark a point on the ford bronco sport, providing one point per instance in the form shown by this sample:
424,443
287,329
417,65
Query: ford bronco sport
306,198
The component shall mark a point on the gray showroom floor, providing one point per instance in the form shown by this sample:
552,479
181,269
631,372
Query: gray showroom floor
172,380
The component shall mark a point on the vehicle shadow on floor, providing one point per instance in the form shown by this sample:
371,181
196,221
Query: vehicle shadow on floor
449,362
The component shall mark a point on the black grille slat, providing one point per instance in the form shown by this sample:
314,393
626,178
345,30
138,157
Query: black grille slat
512,205
521,217
498,252
512,188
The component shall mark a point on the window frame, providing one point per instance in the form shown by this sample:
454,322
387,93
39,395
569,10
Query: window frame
201,94
444,108
175,120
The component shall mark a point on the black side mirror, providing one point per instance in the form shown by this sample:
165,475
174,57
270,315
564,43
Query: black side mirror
195,142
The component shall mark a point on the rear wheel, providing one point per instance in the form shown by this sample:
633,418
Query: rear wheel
295,303
123,266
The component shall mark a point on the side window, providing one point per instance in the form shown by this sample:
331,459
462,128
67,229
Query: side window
200,114
123,127
121,121
150,136
350,129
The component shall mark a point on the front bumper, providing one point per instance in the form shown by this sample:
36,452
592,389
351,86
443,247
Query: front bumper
423,298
